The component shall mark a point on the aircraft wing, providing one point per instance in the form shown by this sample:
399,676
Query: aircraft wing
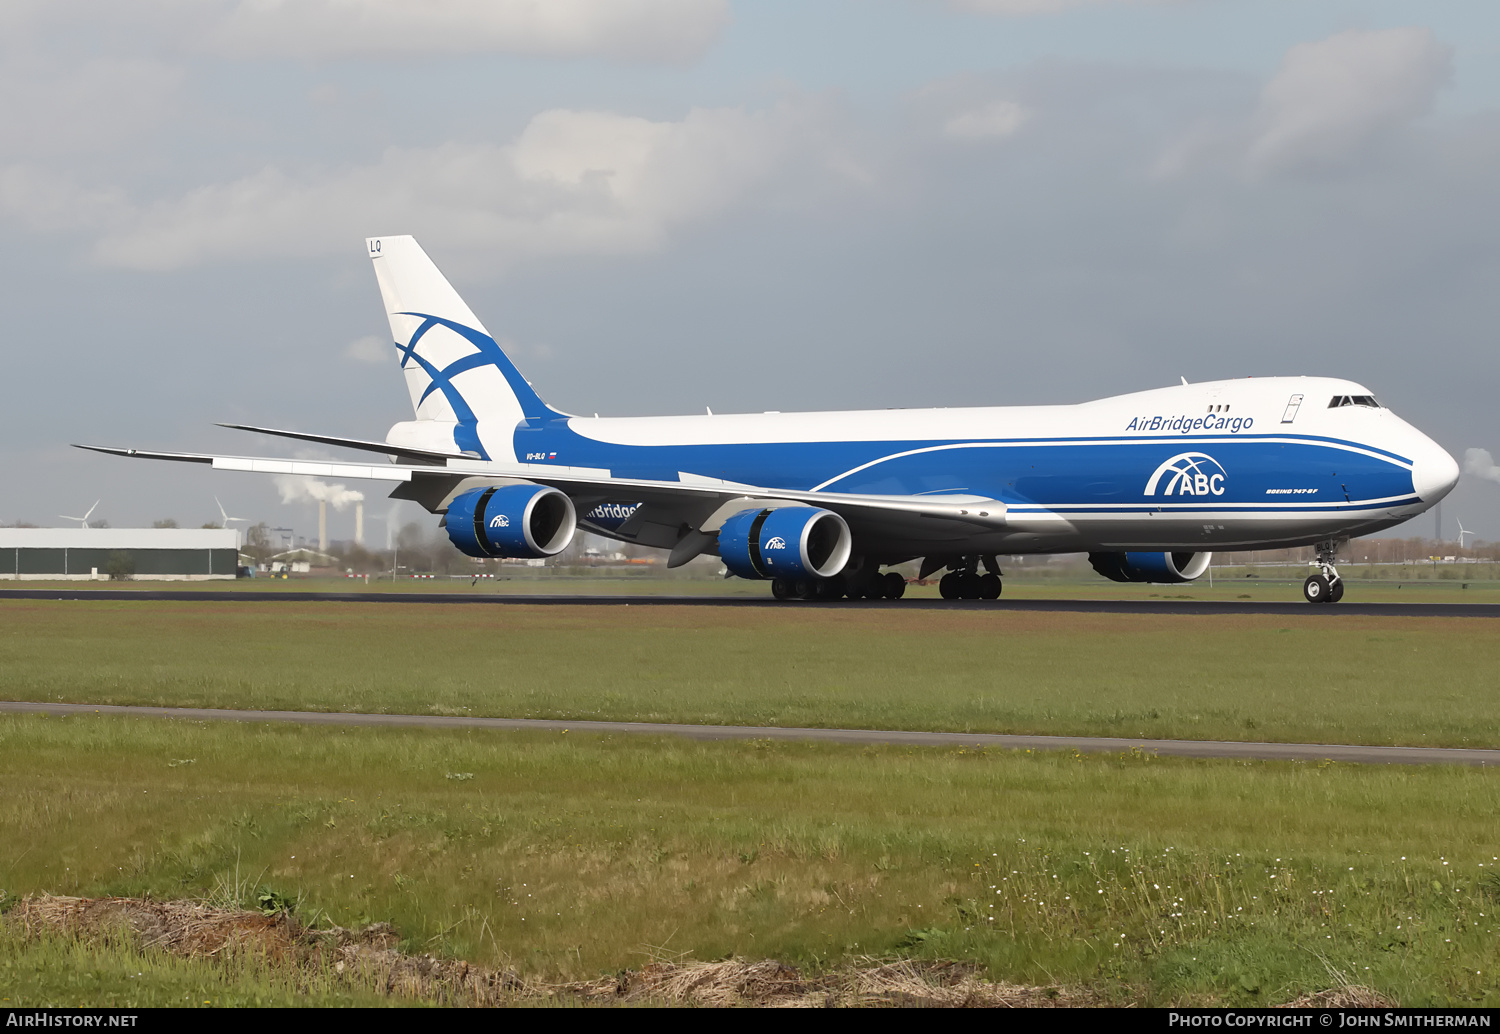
697,502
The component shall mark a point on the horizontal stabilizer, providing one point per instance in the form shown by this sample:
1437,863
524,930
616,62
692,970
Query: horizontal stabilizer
363,445
145,454
270,464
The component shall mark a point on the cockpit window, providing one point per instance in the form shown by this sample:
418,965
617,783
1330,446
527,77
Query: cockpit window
1368,401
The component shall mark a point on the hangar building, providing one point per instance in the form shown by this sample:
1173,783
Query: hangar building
146,553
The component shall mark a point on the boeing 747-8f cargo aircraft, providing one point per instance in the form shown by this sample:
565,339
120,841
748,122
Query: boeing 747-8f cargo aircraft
1147,484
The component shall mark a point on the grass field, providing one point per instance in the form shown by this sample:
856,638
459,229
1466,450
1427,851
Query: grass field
1148,880
566,856
60,971
1312,678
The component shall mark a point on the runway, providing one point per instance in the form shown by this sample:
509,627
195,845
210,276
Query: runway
1246,751
1290,608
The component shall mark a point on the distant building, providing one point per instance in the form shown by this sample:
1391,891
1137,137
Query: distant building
144,553
299,561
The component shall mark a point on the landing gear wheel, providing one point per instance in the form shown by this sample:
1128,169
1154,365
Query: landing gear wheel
1316,589
895,586
1326,586
949,586
781,589
806,589
989,587
969,586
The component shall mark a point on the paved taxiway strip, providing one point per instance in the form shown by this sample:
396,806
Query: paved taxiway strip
1159,607
1085,744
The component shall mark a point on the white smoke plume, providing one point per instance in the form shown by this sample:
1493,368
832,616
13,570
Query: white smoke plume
296,489
1479,463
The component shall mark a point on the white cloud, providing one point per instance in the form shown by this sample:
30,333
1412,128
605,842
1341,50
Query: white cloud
993,121
1331,98
573,182
1327,104
1480,464
651,30
672,30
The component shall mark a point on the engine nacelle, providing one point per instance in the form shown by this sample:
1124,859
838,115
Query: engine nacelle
1163,568
511,521
785,542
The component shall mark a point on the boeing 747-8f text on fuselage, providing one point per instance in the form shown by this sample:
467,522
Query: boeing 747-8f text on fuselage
1148,484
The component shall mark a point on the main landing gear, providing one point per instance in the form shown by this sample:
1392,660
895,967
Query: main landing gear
964,582
874,586
1326,586
968,578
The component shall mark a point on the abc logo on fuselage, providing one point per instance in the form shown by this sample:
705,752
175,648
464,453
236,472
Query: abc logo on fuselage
1188,473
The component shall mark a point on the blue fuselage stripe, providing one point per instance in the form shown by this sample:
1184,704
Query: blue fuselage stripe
1260,473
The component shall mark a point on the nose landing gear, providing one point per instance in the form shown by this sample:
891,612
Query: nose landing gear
1326,586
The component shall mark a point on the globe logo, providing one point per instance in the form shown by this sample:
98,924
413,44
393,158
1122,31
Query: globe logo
1188,473
501,521
776,543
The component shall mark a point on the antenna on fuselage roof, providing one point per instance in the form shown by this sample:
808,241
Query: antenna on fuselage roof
1184,380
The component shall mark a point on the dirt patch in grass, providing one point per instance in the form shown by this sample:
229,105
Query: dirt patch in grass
868,982
371,957
1350,996
192,930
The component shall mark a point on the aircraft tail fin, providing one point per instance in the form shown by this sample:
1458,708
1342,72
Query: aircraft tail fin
455,371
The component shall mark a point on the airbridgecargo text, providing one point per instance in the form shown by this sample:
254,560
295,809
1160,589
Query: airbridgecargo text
612,511
1189,424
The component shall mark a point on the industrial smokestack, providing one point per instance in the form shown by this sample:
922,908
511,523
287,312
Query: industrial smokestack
295,488
359,524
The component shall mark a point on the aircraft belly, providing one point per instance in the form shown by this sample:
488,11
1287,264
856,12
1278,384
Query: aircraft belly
1225,533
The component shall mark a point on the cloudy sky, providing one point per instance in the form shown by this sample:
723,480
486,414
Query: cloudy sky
664,204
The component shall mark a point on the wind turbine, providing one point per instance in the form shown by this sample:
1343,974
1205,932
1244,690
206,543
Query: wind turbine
1461,534
84,520
228,518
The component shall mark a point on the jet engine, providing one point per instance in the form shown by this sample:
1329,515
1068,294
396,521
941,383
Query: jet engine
1150,567
785,542
511,521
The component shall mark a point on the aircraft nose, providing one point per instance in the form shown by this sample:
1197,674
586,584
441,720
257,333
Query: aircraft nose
1433,472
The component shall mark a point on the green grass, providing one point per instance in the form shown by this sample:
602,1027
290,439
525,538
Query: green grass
566,856
1305,677
63,972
